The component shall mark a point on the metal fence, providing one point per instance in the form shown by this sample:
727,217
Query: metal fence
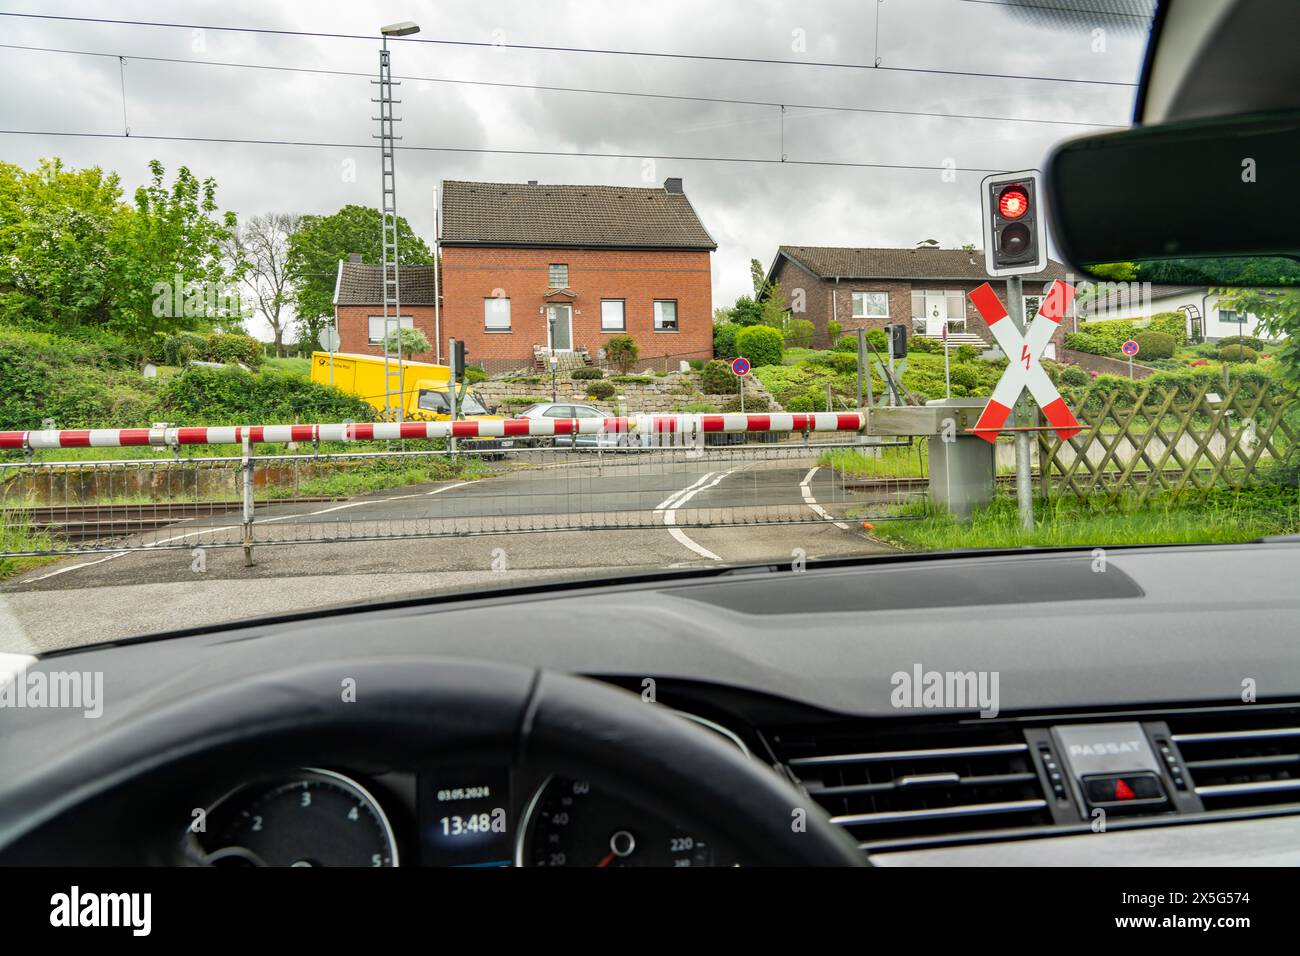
384,491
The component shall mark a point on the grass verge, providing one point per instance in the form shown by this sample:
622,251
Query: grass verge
1225,516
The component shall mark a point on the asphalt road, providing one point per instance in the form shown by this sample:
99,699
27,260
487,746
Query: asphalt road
577,517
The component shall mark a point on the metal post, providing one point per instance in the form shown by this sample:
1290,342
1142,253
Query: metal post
742,393
246,468
862,361
1024,481
451,388
947,379
390,285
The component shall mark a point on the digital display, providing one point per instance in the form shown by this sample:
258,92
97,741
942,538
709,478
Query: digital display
465,818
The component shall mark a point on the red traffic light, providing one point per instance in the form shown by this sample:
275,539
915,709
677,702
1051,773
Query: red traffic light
1013,202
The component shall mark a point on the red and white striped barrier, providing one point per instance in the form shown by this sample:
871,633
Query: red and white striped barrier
682,425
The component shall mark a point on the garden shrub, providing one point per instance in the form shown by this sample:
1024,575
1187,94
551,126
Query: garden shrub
587,372
232,348
1250,341
601,390
1073,375
232,395
717,378
799,334
724,340
1237,353
1155,345
622,351
191,344
761,344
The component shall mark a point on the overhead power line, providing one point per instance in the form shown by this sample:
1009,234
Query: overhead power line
580,154
1086,11
571,89
716,58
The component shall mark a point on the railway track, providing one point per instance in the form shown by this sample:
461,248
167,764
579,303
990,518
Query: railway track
89,522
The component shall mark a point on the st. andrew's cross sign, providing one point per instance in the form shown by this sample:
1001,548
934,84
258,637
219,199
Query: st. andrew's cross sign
1024,370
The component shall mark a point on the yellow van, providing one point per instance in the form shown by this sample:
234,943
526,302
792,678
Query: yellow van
425,386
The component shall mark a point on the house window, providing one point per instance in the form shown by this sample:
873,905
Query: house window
376,327
611,315
1032,304
918,305
956,302
559,275
665,315
496,314
1229,315
871,305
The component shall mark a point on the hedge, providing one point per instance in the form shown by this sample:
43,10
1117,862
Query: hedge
587,372
231,396
1237,353
724,340
761,344
1250,341
1115,332
601,390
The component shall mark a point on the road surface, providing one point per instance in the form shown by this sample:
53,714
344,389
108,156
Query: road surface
520,526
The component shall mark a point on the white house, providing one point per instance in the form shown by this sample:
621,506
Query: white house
1201,306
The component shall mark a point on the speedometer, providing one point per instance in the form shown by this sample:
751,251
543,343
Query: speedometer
306,818
570,823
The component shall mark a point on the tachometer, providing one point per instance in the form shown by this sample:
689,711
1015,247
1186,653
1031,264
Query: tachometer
569,823
307,818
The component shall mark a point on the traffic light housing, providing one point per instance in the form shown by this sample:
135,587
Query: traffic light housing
896,336
1014,222
458,354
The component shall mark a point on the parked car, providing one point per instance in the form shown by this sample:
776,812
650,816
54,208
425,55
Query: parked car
571,410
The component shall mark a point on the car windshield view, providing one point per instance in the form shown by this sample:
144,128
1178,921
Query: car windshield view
299,310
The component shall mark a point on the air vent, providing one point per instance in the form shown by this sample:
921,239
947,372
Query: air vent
1252,760
898,789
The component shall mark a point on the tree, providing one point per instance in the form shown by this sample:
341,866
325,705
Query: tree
259,252
746,311
318,244
772,310
56,227
170,252
622,351
413,342
759,277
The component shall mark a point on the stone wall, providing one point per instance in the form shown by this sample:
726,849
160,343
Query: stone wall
659,396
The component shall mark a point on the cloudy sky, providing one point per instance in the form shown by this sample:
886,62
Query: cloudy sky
749,207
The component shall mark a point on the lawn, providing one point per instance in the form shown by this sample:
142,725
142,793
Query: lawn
1225,516
896,461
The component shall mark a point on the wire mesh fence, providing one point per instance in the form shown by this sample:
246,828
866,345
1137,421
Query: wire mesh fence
562,483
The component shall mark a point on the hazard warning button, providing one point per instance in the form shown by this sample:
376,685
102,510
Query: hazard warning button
1124,789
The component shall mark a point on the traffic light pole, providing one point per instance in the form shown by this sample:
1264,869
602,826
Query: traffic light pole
1024,480
451,388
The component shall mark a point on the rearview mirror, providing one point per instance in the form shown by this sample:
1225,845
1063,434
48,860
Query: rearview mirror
1210,202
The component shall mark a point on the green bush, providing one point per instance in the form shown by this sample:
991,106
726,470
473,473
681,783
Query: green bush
834,330
696,364
966,353
1237,353
1074,376
232,396
1087,342
601,390
1115,332
724,340
876,338
753,403
839,361
761,344
587,372
1155,345
799,333
804,403
1247,340
717,378
474,374
632,379
231,348
622,351
920,343
183,346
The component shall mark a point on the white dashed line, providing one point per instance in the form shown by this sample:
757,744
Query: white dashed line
811,502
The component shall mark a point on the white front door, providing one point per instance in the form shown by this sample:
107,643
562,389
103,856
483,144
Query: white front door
936,313
559,328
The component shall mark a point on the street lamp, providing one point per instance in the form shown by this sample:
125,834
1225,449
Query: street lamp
403,29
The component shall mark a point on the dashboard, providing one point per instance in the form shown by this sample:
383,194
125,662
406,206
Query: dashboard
1147,715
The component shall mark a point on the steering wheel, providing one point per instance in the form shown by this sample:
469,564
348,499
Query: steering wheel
369,712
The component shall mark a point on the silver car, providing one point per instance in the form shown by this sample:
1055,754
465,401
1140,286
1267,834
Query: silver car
572,410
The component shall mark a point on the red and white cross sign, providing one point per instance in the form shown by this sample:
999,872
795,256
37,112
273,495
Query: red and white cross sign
1024,370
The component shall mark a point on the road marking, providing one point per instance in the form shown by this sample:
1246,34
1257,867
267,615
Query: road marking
811,502
675,501
232,527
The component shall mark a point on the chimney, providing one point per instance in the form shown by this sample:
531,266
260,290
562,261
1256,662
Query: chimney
673,184
354,257
532,182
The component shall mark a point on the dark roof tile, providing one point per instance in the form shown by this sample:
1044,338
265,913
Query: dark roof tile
362,284
828,262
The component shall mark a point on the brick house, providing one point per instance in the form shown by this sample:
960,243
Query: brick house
923,288
359,311
530,270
